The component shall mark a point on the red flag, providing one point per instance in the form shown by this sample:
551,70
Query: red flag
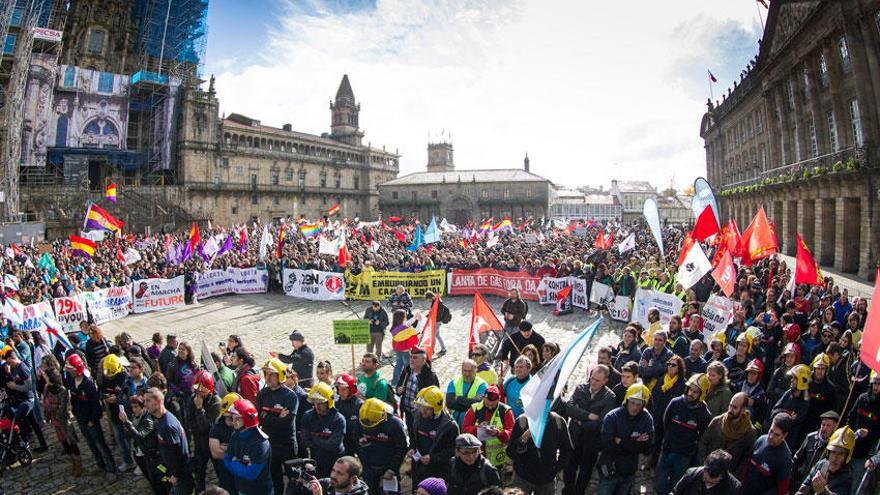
280,248
759,240
706,226
400,236
806,271
119,255
871,336
685,247
563,302
600,241
393,219
483,319
725,274
429,331
344,257
194,237
609,241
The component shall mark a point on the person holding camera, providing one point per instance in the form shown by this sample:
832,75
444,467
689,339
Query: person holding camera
345,479
378,318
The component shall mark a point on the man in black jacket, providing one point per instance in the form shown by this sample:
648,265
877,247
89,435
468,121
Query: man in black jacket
415,377
302,359
589,403
813,446
469,471
712,478
433,442
535,469
514,343
514,310
378,318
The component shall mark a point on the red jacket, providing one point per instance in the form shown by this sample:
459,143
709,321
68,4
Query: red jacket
248,383
471,421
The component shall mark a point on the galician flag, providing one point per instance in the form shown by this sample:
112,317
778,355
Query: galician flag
545,387
52,333
694,267
432,235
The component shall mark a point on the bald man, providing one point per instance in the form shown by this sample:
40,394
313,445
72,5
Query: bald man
738,420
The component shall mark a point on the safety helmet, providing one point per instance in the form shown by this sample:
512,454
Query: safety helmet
227,401
5,351
373,412
822,360
246,411
274,365
203,379
874,377
320,393
843,439
113,364
754,332
347,381
801,373
792,348
719,337
75,364
637,391
792,332
744,337
697,381
431,397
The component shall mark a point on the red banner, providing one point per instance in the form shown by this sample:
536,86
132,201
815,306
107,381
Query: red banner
495,282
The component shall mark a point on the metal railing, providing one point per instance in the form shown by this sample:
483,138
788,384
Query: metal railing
826,161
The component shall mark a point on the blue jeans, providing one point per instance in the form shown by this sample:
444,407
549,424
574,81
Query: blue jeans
619,484
670,468
438,339
402,361
122,442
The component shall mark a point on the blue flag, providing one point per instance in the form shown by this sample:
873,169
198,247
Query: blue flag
417,239
432,235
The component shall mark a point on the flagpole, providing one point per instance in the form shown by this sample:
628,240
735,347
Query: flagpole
711,92
760,17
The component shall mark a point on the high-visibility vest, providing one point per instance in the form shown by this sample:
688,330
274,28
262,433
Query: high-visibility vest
496,451
458,386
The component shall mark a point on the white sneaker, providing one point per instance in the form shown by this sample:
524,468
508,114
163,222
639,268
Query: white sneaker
137,471
123,467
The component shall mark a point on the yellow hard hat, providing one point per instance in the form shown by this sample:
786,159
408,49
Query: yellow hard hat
5,351
821,359
637,391
801,373
373,412
227,401
874,377
113,364
700,381
274,365
431,397
720,337
843,439
320,393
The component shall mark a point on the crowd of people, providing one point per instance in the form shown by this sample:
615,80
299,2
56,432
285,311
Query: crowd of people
776,402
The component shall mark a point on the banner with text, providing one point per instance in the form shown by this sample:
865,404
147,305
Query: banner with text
249,280
32,317
158,294
371,285
108,304
69,312
495,282
618,309
214,283
549,288
668,305
717,314
314,285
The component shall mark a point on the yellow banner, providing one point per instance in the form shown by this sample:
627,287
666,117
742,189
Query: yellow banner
370,285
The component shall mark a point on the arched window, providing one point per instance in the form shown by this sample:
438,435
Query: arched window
61,132
70,76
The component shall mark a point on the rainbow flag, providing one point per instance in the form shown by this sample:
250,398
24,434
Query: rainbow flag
333,210
504,224
98,218
310,229
82,246
110,193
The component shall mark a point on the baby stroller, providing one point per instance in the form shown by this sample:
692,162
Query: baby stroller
12,447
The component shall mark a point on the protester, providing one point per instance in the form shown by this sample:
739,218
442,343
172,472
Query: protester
302,358
587,407
465,391
627,431
378,318
535,468
732,432
432,443
276,407
712,478
470,472
249,453
323,431
173,446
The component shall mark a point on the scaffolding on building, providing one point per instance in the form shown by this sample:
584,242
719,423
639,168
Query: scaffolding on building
171,43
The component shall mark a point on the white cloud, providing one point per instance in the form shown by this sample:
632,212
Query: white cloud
592,90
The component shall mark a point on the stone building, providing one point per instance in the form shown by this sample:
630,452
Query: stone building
798,133
631,195
580,205
236,168
465,195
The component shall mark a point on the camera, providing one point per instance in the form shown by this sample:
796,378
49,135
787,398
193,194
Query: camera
300,472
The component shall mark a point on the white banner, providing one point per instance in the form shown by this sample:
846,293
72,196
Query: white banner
69,312
579,293
250,280
550,287
108,304
717,314
328,247
314,285
32,317
601,294
668,305
618,308
214,283
157,294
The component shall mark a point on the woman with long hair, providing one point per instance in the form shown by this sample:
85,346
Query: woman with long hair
97,348
324,372
719,394
531,352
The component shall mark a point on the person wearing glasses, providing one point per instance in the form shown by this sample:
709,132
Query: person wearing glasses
480,354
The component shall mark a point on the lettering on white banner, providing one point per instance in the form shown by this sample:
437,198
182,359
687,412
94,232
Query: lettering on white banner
32,317
618,308
69,312
214,283
108,304
717,314
550,288
250,280
668,305
158,294
314,285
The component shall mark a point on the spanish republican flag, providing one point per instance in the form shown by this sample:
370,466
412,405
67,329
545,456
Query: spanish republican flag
759,239
333,210
97,218
404,338
82,246
280,247
504,224
806,271
110,193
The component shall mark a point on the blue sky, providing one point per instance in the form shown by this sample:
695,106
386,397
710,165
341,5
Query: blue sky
591,90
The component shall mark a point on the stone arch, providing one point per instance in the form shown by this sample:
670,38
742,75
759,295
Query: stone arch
459,209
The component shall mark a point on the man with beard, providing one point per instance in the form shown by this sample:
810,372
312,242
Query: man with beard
814,445
684,421
344,479
732,432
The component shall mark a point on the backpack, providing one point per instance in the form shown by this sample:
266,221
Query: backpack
445,316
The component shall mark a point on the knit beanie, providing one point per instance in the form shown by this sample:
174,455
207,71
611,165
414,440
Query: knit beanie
434,486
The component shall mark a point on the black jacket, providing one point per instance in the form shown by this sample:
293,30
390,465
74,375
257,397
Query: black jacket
470,480
434,437
810,451
536,465
583,430
519,309
516,341
201,420
303,362
378,319
142,432
692,484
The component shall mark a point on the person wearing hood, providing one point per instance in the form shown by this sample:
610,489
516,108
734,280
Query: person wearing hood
323,429
434,432
469,471
685,420
344,479
348,404
795,402
732,432
813,446
833,475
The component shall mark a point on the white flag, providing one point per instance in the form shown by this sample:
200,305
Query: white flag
131,256
211,247
627,244
28,263
264,242
328,247
491,242
694,267
94,235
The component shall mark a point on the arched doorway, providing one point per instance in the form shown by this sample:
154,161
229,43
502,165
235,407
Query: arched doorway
459,210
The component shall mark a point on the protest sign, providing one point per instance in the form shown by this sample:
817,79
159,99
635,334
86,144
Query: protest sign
158,294
108,304
314,285
618,308
495,282
372,285
549,288
601,294
579,297
32,317
717,314
69,312
351,331
249,280
668,305
214,283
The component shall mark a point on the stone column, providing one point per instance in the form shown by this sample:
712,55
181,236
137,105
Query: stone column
825,231
867,250
788,227
806,222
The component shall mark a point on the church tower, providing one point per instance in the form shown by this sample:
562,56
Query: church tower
440,157
100,34
344,114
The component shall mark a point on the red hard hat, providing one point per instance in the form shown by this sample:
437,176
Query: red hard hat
246,410
792,332
203,379
348,381
76,363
